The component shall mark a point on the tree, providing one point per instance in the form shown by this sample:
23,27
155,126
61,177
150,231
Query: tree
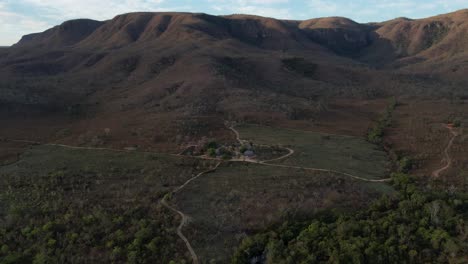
211,152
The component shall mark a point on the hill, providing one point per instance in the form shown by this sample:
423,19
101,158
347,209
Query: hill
177,66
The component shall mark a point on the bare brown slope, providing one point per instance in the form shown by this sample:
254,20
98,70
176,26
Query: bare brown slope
171,78
161,56
165,79
342,35
198,64
137,28
412,41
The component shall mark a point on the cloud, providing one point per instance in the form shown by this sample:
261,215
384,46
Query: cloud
266,2
264,11
324,6
267,8
96,9
14,25
380,10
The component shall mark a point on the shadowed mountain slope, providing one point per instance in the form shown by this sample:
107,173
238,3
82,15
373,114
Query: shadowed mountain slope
199,64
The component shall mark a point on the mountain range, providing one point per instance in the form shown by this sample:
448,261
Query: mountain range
180,65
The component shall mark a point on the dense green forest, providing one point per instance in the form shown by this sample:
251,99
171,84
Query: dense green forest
416,226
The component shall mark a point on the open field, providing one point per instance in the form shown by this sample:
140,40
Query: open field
240,198
346,154
78,206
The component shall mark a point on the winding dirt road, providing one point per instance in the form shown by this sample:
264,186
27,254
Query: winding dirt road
184,217
447,158
291,151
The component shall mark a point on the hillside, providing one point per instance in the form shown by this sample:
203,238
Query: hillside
166,66
405,41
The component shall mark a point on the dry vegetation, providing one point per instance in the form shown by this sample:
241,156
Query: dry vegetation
239,199
62,205
418,131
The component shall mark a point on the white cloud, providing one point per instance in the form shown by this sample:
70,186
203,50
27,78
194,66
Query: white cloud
324,6
95,9
264,11
267,8
265,2
13,26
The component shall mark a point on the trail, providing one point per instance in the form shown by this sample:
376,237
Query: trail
447,158
291,151
235,133
89,148
184,217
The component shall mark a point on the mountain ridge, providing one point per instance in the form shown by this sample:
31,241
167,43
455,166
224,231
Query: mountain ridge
200,64
341,35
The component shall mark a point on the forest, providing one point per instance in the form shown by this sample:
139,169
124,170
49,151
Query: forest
414,226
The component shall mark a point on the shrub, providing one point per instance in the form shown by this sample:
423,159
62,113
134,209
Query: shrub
404,165
211,152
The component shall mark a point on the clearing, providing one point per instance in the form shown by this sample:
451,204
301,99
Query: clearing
346,154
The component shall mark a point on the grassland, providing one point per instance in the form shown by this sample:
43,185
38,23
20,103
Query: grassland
63,205
241,198
347,154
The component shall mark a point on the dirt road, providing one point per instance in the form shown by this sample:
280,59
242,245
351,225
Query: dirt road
184,217
447,158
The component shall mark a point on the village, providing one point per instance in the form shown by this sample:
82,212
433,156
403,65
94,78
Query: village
241,150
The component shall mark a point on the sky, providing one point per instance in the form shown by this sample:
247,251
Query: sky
20,17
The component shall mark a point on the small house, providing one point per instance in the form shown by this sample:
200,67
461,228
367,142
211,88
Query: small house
249,153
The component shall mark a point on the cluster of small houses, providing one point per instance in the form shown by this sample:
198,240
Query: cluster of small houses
220,151
235,151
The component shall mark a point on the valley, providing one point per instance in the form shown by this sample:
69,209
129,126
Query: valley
173,137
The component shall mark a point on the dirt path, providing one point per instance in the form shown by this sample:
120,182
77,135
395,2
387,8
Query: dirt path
90,148
184,217
235,133
291,151
447,158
